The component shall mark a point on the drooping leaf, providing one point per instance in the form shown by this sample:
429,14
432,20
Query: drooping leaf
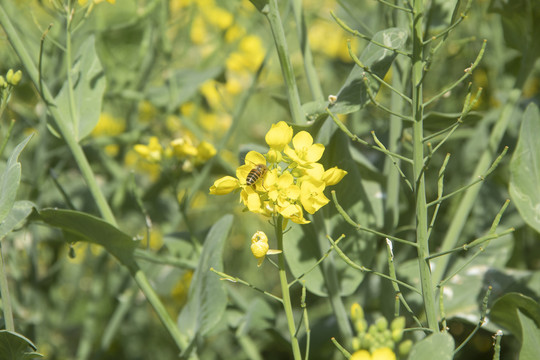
86,227
19,212
207,298
438,346
505,312
524,185
88,81
14,346
10,179
530,347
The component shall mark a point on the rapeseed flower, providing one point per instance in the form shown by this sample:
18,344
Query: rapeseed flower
286,181
260,247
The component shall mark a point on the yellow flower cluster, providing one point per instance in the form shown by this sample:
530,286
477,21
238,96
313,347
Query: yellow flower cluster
181,148
287,180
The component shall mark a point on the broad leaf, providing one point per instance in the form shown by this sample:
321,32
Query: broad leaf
530,347
10,179
19,212
88,81
505,312
85,227
438,346
353,94
14,346
207,298
525,169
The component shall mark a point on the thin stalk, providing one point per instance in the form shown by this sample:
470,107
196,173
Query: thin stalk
142,281
309,67
348,219
331,279
428,292
243,282
278,226
362,268
4,292
272,15
479,323
68,137
395,285
306,322
343,351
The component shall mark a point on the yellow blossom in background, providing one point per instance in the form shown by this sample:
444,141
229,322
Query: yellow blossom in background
109,125
84,2
152,152
383,354
156,239
287,183
361,355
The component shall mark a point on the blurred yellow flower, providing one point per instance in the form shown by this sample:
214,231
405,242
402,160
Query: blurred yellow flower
383,354
361,355
151,152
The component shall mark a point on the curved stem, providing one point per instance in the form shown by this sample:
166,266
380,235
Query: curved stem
278,226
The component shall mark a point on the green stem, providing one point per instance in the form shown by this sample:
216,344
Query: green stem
278,225
71,141
160,310
428,293
4,292
272,15
469,198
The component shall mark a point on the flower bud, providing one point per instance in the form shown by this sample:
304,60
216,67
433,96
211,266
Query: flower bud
9,75
224,185
404,348
382,324
333,176
16,78
3,82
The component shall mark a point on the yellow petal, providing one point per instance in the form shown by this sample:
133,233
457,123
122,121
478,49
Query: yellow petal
361,355
383,354
314,152
279,135
302,140
224,185
254,158
333,176
259,249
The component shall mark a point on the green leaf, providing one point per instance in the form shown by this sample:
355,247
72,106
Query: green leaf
14,346
180,87
207,299
89,228
359,198
438,346
88,89
525,169
530,348
19,212
353,94
520,24
10,179
505,312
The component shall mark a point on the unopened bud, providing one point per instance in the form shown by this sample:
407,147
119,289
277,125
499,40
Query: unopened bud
16,78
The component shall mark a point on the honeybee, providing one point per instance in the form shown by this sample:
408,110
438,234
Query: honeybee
255,174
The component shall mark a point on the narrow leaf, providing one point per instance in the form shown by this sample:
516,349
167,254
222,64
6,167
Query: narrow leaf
525,169
19,212
92,229
530,347
207,298
10,179
88,89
